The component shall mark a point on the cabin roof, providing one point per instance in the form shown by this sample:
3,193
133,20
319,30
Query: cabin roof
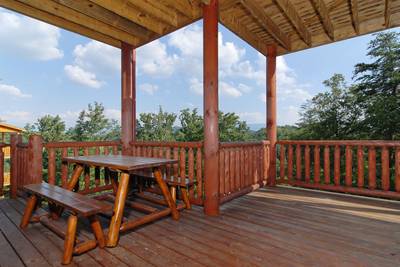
292,25
9,128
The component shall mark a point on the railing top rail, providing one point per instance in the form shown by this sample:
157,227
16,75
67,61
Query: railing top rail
168,144
22,145
242,144
81,144
374,143
2,145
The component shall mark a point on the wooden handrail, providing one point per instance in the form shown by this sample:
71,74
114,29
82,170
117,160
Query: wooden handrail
71,144
167,144
376,143
242,144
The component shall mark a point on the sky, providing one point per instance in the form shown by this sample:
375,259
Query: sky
47,70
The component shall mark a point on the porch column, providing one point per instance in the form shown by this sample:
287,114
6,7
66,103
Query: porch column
271,112
211,136
128,97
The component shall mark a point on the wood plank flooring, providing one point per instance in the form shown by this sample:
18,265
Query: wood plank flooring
270,227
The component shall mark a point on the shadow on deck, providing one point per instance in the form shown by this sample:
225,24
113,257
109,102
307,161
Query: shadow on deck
269,227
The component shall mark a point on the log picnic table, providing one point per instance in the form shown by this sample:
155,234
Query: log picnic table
125,165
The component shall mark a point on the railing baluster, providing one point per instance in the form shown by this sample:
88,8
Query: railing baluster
64,168
397,169
182,163
282,163
191,169
1,171
237,169
290,164
327,166
385,169
298,162
349,166
199,173
52,166
360,166
336,178
87,170
307,176
317,167
372,168
226,170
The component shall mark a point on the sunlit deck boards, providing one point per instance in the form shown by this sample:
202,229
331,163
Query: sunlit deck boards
275,227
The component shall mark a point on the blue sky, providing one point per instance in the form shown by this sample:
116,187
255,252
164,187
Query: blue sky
46,70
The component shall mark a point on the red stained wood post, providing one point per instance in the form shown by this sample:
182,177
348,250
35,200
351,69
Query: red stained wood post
211,135
128,97
14,141
271,112
35,159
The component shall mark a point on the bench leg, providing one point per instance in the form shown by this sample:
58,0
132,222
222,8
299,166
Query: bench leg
97,230
167,196
113,232
172,189
30,207
186,198
69,241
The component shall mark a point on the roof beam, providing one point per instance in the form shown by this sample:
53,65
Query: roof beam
260,16
97,12
189,8
354,16
290,11
58,21
122,8
157,10
323,13
240,30
388,13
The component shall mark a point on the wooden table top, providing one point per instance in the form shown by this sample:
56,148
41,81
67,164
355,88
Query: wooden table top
118,162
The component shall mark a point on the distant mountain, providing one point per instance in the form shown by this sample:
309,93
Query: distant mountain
256,126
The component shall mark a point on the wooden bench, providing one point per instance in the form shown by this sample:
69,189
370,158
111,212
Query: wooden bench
174,184
77,204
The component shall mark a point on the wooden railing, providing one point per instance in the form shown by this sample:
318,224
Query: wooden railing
243,167
369,168
58,173
2,164
190,156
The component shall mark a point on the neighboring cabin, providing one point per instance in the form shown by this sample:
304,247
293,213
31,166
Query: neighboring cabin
5,131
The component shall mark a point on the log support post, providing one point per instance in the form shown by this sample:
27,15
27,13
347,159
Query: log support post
128,97
35,159
271,112
15,139
211,135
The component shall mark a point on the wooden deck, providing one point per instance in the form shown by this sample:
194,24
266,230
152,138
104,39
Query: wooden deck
270,227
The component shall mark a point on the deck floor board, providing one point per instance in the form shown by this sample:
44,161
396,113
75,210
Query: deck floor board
270,227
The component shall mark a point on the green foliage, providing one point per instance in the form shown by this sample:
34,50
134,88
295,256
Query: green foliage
231,129
51,128
191,126
156,126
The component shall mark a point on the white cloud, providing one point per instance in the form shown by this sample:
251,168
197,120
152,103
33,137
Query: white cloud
80,76
244,88
153,59
93,60
252,117
114,114
17,117
28,37
148,88
288,115
227,89
13,91
196,86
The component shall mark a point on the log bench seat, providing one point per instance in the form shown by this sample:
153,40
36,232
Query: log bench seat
60,199
175,184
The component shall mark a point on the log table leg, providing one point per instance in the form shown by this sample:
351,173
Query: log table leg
167,196
30,207
75,177
69,242
113,232
186,198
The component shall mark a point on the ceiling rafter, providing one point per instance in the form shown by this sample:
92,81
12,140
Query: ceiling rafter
157,10
97,12
240,30
354,15
261,17
58,21
79,18
290,11
388,13
122,8
189,8
323,13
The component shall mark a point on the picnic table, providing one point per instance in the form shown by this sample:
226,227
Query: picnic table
126,165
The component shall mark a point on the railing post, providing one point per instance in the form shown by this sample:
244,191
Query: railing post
271,112
211,133
1,171
15,139
35,159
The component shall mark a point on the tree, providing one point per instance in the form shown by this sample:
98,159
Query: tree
378,87
51,128
93,125
156,126
231,129
191,126
330,115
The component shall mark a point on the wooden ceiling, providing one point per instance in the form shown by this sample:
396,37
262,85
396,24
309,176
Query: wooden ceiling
293,25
